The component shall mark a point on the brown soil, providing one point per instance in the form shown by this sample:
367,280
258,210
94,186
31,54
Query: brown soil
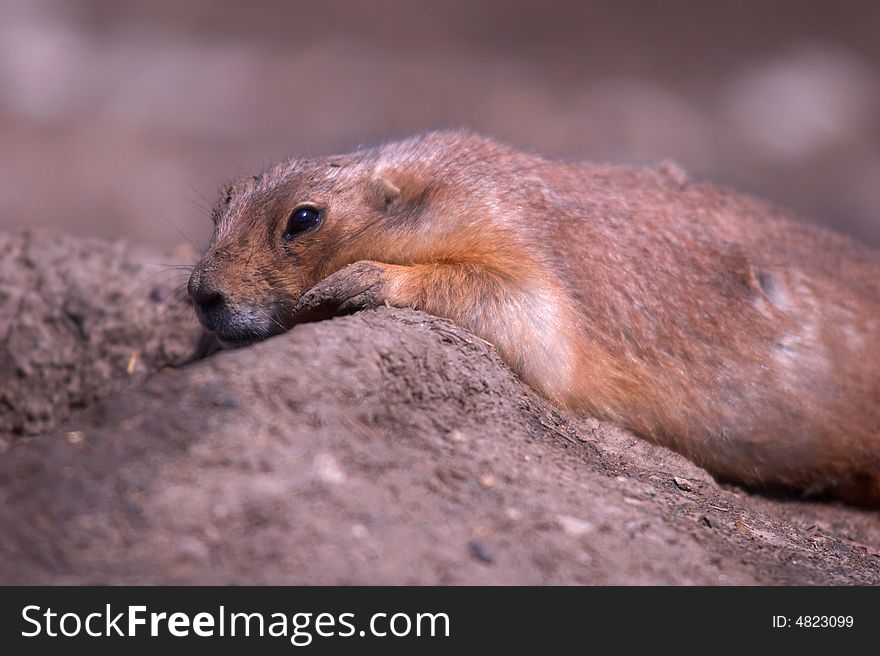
385,447
77,316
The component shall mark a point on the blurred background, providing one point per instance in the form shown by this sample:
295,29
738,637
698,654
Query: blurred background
119,118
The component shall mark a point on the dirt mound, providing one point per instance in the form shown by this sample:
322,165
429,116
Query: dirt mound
77,318
385,447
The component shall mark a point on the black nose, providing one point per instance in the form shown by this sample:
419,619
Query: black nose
200,291
208,301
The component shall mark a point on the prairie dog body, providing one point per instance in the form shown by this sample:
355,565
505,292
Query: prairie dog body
700,319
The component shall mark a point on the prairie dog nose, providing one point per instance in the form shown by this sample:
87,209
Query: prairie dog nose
205,296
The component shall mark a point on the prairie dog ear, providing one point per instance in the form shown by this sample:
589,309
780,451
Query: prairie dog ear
392,187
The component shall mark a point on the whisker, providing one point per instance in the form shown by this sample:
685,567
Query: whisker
173,275
200,195
176,299
176,312
206,210
178,231
237,165
170,266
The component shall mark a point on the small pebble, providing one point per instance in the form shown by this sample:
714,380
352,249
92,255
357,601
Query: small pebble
683,484
75,437
226,402
513,513
328,470
132,363
574,525
480,551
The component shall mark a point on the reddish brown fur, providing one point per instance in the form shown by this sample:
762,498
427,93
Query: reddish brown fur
699,318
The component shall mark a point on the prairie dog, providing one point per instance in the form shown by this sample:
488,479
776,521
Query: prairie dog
701,319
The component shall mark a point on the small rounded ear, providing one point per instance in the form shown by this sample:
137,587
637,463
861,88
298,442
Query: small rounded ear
392,187
382,191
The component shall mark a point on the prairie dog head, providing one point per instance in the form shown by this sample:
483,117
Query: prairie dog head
278,234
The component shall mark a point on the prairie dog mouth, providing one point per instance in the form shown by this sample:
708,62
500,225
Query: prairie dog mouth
236,342
236,328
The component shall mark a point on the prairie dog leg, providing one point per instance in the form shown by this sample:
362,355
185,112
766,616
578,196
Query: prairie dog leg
464,293
358,286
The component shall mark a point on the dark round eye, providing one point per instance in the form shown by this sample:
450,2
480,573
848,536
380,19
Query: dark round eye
301,219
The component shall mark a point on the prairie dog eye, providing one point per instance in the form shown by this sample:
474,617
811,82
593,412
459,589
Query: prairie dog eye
302,219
